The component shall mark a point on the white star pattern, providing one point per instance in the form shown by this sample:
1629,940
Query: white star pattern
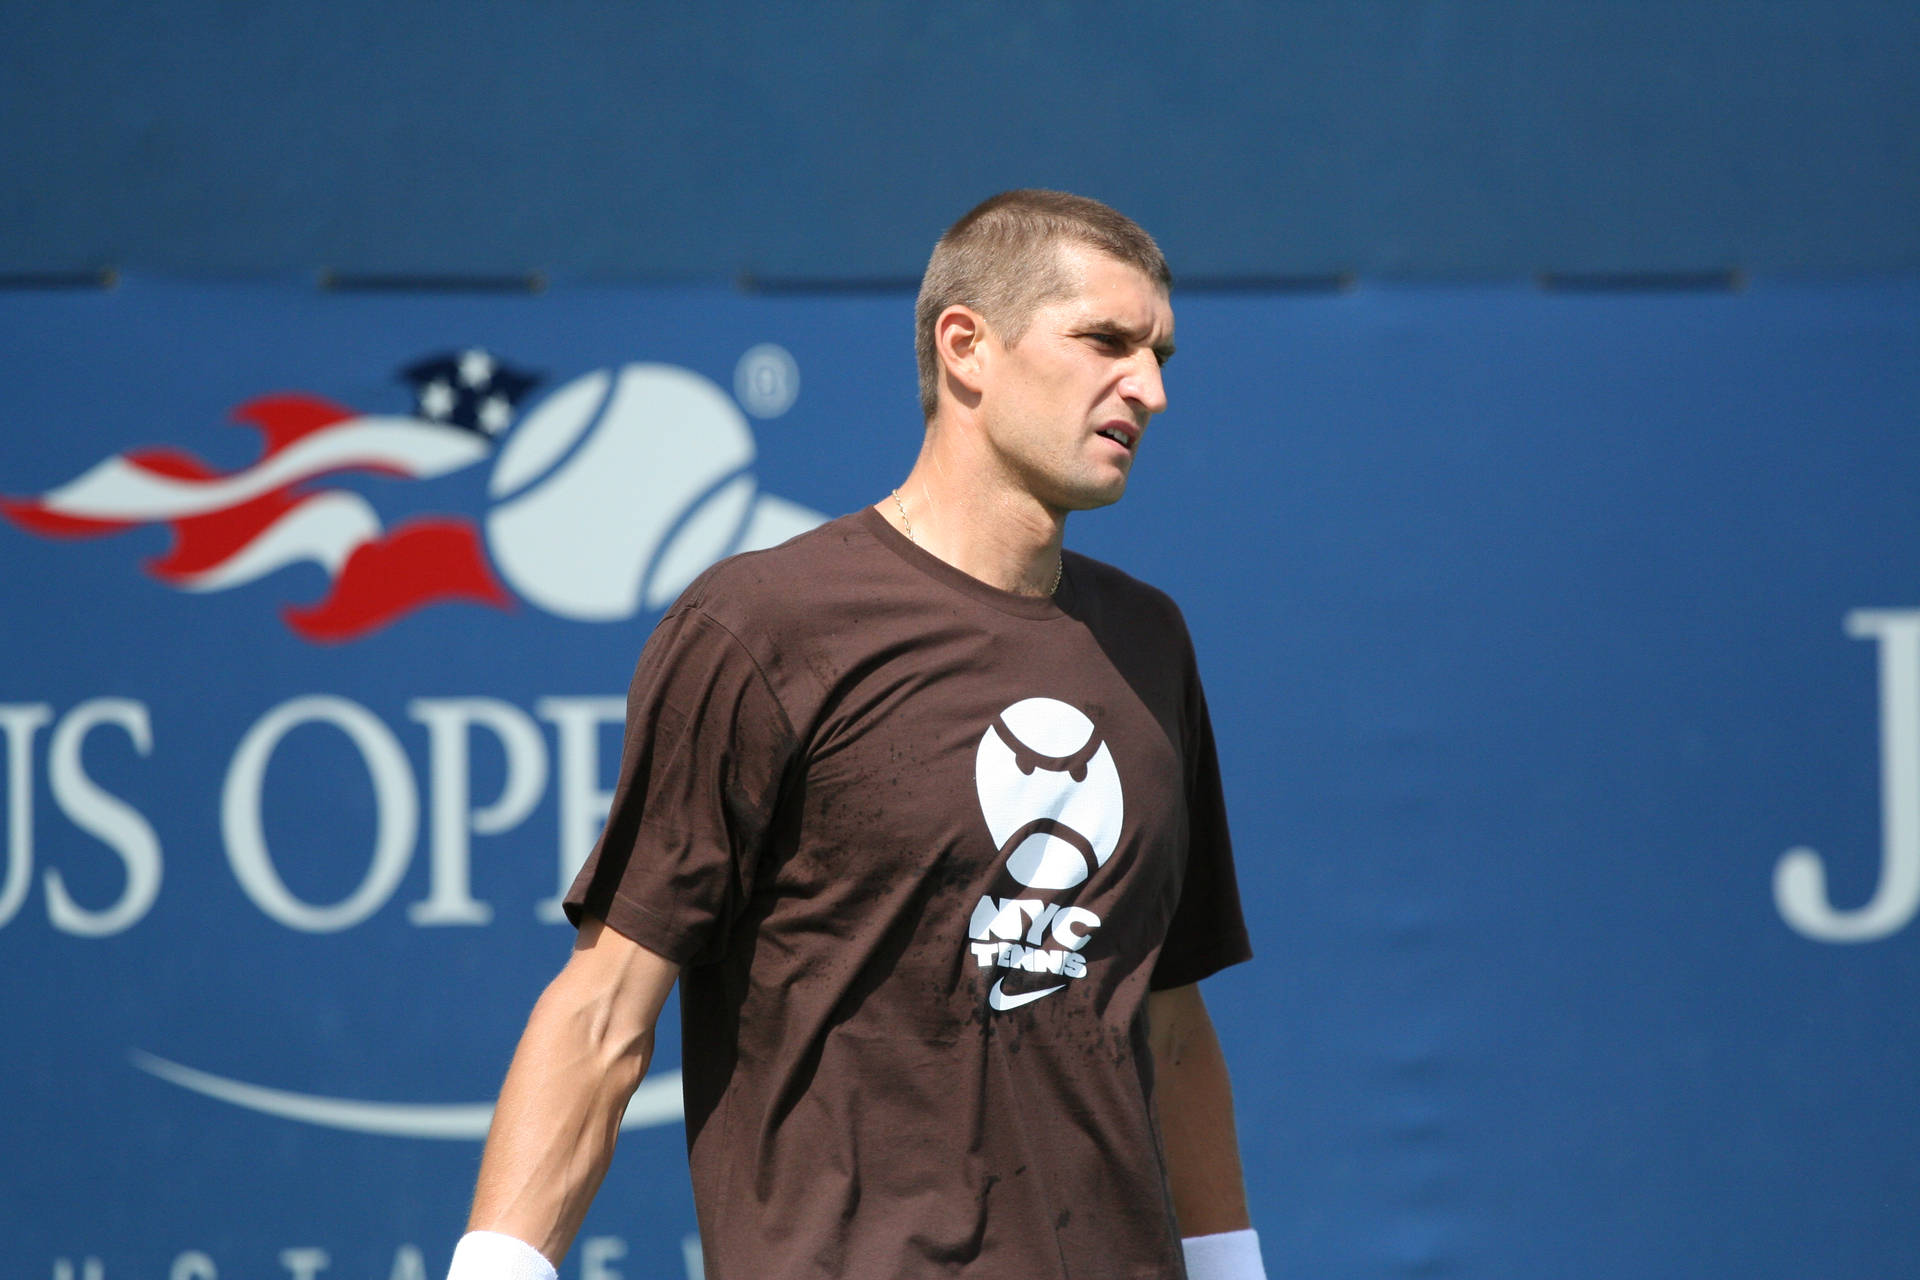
495,414
476,368
470,388
436,400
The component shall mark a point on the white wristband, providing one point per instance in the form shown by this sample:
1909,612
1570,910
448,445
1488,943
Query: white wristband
1230,1255
490,1255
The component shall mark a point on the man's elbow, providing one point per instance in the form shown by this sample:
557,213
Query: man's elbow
589,1029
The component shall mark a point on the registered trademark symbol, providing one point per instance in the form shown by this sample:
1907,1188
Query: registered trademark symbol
766,381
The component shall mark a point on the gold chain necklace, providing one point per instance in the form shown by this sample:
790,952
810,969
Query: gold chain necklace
1059,561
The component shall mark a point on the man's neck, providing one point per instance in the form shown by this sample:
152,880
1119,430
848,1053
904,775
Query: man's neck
995,532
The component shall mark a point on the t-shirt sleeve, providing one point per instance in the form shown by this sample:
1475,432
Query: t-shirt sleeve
707,748
1208,932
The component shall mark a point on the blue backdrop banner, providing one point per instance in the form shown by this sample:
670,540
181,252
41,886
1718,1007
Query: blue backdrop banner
1564,652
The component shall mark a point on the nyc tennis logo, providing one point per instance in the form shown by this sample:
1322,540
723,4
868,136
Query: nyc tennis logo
1053,804
607,498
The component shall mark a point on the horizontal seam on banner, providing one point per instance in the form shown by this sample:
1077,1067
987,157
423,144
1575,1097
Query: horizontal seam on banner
374,282
84,278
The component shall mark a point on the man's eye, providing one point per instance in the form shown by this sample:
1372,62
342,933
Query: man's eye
1109,340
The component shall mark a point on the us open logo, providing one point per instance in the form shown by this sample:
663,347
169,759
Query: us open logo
1053,803
607,498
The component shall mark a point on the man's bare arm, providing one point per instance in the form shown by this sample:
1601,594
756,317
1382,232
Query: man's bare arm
1195,1102
585,1050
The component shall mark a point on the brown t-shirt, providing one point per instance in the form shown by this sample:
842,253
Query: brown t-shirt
923,847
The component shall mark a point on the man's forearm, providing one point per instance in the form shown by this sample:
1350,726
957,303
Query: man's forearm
585,1049
1195,1102
554,1127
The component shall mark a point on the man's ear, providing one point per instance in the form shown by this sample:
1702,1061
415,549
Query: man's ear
958,333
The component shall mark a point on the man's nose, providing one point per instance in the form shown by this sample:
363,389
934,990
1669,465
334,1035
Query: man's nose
1144,385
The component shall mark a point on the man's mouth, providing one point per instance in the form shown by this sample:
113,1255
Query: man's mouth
1119,435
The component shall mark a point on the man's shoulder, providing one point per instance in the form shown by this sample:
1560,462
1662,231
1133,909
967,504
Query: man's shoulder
754,589
1111,587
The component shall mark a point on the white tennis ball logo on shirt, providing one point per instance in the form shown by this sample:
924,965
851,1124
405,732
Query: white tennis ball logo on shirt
1050,793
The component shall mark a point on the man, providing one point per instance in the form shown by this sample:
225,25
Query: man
924,813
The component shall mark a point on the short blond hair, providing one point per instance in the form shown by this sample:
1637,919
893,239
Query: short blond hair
1002,260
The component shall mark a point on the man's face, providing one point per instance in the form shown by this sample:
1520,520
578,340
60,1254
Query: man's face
1065,407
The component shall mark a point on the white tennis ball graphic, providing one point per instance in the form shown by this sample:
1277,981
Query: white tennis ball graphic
593,491
1042,762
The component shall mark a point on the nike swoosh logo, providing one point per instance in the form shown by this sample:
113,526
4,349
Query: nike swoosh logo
1002,1002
